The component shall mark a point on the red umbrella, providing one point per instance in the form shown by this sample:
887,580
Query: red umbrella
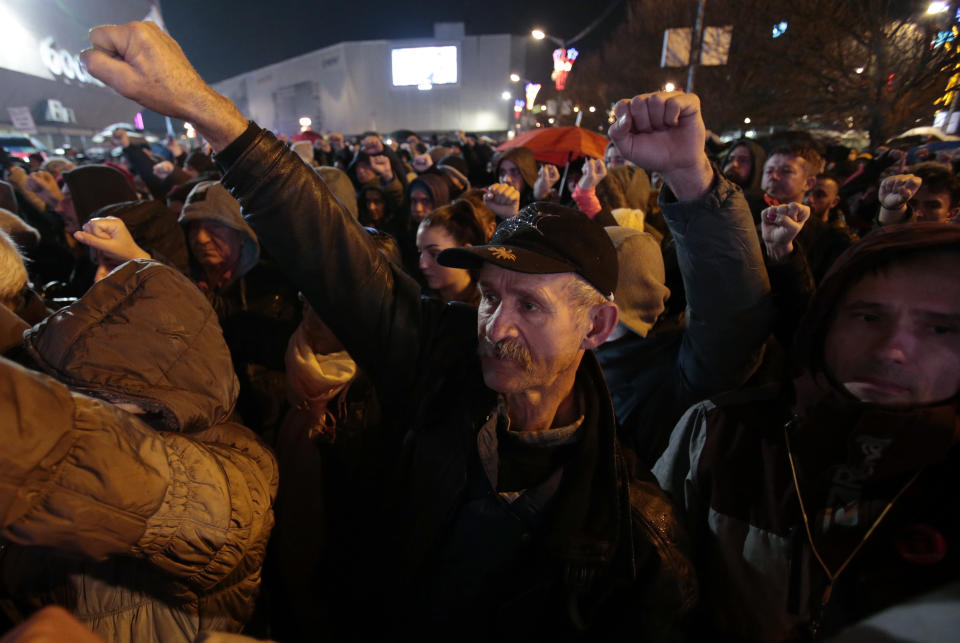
560,145
307,135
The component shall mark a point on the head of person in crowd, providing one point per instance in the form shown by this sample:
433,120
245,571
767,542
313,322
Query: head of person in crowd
178,195
23,234
450,226
626,187
790,172
427,192
823,197
884,325
154,229
57,166
546,282
613,158
487,217
13,273
372,206
455,167
198,163
641,293
518,167
360,170
223,247
91,187
743,164
938,198
339,183
36,161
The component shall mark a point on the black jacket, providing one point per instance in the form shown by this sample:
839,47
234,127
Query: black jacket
613,553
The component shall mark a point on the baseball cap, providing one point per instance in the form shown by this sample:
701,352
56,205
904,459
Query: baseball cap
545,238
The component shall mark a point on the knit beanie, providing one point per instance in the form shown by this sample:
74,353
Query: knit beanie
641,292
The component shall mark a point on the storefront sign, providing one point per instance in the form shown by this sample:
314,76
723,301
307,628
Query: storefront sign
61,62
22,120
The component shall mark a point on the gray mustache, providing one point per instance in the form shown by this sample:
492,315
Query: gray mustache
505,349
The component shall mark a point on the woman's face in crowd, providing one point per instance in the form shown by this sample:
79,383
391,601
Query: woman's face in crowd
421,203
376,206
365,173
447,281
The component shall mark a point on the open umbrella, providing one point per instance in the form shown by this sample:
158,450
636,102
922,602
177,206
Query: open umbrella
560,145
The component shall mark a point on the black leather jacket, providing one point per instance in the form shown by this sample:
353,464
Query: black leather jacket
617,557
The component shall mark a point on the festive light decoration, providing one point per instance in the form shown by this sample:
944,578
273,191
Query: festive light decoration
518,106
532,89
562,64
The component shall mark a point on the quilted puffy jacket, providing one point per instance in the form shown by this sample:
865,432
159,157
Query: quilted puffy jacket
147,526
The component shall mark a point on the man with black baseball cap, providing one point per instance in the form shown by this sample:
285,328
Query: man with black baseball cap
510,511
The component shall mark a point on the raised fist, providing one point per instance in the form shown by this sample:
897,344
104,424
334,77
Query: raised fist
780,225
502,199
896,190
594,170
381,165
664,132
547,177
422,162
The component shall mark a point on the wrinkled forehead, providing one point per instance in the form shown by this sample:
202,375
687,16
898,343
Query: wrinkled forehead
504,280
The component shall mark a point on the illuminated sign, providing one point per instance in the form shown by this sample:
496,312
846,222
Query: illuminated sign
518,106
562,64
61,62
424,67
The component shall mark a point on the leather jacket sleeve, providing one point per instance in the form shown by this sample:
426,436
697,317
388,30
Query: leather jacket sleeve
372,306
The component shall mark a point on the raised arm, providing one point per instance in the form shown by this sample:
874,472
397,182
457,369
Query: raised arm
728,305
371,306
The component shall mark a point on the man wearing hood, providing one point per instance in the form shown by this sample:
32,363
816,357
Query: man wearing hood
743,165
517,167
816,503
126,495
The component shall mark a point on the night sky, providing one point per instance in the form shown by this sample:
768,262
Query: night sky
224,38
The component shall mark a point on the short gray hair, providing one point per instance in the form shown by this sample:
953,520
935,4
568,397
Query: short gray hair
13,272
583,295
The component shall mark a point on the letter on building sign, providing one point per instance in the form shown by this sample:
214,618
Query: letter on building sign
57,113
61,62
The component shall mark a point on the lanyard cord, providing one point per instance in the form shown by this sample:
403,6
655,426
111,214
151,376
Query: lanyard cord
832,576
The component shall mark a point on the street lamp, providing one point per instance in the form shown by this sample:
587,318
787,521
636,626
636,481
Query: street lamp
539,35
514,78
938,6
669,87
592,109
506,95
747,121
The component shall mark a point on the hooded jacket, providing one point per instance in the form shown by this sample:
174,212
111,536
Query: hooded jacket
145,527
752,190
613,556
526,163
728,464
210,201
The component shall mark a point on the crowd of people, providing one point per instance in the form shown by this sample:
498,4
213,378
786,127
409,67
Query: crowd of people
346,388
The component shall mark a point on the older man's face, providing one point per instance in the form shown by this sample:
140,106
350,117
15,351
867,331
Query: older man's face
895,339
215,245
530,334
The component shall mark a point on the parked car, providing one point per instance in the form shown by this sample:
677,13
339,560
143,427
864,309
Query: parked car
21,145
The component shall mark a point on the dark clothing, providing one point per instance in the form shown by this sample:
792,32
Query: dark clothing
729,463
822,242
422,359
751,187
654,379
